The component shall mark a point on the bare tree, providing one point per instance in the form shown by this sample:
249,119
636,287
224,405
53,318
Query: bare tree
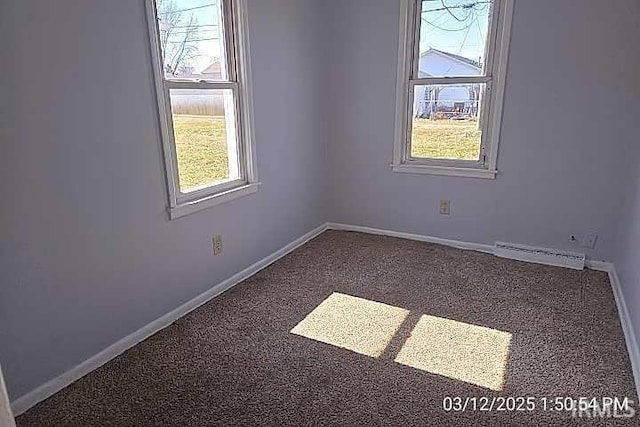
178,37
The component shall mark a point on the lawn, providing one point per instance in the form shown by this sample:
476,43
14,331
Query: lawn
445,139
201,147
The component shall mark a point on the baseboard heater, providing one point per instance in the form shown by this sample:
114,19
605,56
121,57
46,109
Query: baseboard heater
539,255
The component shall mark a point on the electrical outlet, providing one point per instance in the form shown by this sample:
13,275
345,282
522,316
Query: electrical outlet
589,240
445,207
217,244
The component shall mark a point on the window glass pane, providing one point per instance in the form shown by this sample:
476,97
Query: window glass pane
205,134
446,121
192,39
453,36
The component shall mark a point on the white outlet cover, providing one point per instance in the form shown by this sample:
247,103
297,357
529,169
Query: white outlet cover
217,244
445,207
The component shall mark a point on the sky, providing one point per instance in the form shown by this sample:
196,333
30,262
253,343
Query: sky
455,26
460,30
208,35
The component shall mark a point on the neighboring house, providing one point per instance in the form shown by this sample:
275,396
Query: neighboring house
446,101
213,71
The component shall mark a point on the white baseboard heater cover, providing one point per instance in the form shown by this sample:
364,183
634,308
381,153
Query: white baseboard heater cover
540,255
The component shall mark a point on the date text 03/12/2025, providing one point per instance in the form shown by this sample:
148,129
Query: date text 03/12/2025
616,407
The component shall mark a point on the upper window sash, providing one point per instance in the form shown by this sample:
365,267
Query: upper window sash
489,46
449,80
227,31
199,84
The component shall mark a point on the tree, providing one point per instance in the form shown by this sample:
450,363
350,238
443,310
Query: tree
178,37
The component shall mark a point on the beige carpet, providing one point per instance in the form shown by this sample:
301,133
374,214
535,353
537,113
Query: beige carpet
353,329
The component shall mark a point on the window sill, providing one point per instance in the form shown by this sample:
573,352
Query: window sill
445,171
187,208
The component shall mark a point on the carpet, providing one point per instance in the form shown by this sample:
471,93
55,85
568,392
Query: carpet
361,330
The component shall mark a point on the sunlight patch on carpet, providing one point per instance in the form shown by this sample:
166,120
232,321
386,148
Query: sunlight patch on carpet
356,324
458,350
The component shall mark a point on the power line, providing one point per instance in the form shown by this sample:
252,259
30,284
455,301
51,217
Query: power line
472,15
442,15
194,30
450,12
185,10
464,39
480,32
459,49
458,6
447,29
194,40
197,25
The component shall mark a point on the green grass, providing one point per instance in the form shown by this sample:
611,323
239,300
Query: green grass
445,139
201,147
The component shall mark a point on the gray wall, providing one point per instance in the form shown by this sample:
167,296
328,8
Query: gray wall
88,255
568,117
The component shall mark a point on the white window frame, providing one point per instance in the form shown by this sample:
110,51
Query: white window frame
239,70
497,52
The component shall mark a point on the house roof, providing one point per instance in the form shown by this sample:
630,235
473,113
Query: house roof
460,58
212,69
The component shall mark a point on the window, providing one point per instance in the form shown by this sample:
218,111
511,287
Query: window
200,59
451,76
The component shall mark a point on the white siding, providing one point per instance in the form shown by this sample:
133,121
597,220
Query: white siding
436,64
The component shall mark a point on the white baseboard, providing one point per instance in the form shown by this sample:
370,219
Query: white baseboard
627,325
447,242
598,265
625,320
623,312
51,387
6,417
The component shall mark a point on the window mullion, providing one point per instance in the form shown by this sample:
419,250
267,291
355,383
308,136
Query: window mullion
450,80
198,84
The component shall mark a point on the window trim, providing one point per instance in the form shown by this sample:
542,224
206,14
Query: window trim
494,77
239,66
